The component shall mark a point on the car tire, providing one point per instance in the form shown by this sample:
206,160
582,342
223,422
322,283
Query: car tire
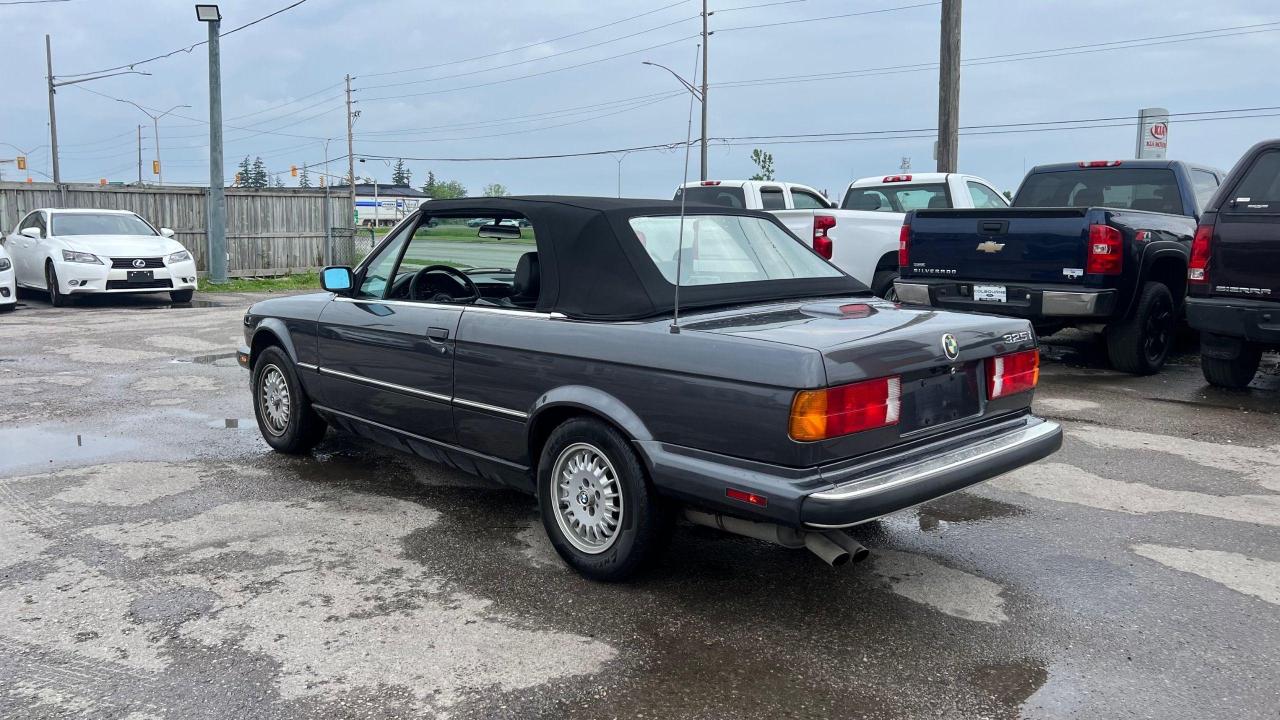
182,296
882,285
1140,343
8,307
56,298
283,411
598,507
1235,374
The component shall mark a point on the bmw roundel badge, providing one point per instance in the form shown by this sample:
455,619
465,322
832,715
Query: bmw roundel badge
950,346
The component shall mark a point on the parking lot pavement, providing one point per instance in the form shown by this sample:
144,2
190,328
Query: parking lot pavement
156,561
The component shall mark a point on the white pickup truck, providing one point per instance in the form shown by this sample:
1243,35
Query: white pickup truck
861,236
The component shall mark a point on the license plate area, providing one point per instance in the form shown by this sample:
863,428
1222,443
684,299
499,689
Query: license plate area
941,396
990,293
139,276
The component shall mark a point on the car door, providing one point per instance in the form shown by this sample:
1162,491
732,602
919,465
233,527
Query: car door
385,358
24,251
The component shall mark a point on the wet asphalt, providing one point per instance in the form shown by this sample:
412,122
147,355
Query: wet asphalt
157,561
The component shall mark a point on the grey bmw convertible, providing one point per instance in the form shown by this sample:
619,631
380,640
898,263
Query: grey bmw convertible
632,362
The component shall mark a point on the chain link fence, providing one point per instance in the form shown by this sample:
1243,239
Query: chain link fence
350,245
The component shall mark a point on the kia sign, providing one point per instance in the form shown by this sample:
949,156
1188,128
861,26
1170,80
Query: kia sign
1153,133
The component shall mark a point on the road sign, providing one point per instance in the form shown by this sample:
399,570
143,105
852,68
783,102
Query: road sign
1153,133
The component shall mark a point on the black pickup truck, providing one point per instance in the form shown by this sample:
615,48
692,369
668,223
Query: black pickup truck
1100,245
1234,278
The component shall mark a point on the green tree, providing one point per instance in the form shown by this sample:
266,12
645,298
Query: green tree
304,178
764,161
1008,195
401,175
448,190
494,190
258,174
244,173
429,187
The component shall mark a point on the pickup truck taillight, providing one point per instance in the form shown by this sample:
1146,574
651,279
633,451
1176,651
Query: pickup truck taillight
1198,267
904,246
845,409
1106,251
822,241
1013,373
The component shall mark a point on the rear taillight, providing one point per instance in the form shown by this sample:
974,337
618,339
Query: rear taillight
1013,373
846,409
1106,251
904,246
1198,268
821,240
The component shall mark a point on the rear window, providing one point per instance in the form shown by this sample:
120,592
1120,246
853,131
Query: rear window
1153,189
1259,189
731,197
897,199
720,249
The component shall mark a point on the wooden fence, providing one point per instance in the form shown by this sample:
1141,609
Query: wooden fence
272,231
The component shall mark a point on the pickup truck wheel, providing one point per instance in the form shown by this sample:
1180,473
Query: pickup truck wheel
882,285
600,511
282,409
1236,373
1140,343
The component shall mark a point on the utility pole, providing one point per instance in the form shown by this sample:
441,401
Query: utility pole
53,113
216,223
351,154
949,88
706,50
139,154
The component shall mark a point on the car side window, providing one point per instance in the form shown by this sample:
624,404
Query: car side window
805,200
379,270
985,197
1259,189
1205,185
771,199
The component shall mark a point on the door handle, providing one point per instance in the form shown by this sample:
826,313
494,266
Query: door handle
437,334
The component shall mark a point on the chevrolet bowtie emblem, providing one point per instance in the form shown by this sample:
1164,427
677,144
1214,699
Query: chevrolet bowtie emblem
990,246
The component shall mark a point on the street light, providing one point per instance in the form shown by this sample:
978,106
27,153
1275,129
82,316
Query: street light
700,96
155,126
216,225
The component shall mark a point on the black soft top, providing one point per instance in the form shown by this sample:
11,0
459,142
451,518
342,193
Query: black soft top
594,267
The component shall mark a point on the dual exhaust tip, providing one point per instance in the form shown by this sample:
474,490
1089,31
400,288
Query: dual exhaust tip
835,548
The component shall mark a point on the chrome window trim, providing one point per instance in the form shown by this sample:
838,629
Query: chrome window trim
389,386
491,408
461,308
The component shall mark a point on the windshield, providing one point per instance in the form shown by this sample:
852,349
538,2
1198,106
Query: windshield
720,249
899,198
1154,189
104,224
731,197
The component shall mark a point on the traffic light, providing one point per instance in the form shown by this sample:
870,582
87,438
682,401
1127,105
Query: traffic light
22,162
155,167
237,182
293,170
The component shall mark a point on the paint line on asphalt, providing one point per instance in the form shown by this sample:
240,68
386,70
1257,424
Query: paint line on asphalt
1259,464
947,590
1244,574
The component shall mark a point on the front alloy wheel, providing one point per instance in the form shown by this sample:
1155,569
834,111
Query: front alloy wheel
284,413
274,400
56,298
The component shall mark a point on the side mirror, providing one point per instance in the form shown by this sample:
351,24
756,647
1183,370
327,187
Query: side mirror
166,232
31,232
338,280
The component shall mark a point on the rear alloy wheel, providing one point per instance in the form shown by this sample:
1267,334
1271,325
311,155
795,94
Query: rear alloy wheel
1235,374
182,297
56,298
882,285
282,409
1140,343
600,511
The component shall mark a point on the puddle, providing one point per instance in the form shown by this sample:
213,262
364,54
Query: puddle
963,507
35,447
233,424
1012,683
223,359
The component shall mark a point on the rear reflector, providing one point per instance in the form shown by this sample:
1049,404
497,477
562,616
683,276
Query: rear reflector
897,178
904,246
1198,268
846,409
746,497
821,241
1099,163
1106,251
1013,373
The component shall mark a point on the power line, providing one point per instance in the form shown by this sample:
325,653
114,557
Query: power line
828,17
189,48
206,122
31,2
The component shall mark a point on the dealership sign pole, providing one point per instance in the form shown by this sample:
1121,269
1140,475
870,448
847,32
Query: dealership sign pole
1153,133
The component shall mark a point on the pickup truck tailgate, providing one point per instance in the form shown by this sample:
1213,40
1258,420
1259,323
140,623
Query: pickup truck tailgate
1025,245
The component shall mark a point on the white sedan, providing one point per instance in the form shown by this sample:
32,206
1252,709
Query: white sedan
75,252
8,288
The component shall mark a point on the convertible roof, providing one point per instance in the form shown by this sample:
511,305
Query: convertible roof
593,266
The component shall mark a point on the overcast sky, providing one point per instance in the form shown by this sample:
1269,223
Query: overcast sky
284,76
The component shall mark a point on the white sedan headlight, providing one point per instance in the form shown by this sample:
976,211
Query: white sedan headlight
5,264
80,257
179,257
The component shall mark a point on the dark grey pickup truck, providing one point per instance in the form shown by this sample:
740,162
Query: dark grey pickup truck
1101,245
786,404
